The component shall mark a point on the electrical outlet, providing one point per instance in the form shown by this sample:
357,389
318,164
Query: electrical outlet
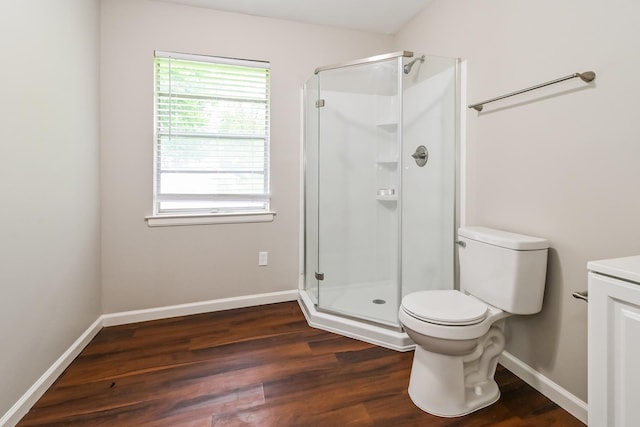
263,258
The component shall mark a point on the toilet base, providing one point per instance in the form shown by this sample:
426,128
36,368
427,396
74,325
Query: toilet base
437,386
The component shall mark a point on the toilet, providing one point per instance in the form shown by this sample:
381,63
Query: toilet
459,334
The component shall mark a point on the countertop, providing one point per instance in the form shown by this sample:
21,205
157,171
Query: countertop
627,268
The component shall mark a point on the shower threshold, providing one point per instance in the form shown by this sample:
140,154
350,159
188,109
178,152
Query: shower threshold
382,335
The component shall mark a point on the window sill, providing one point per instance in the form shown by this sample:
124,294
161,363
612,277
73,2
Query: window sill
222,218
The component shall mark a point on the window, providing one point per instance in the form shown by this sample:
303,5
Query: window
211,135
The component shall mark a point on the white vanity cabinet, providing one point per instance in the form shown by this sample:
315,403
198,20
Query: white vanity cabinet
614,342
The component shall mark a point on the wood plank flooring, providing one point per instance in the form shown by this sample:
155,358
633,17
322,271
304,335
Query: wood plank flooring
259,366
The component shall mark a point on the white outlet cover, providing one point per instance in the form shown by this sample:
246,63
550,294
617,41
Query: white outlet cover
263,258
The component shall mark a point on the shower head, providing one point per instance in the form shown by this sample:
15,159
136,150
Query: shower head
407,67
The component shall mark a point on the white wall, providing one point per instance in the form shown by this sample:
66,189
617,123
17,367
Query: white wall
49,221
147,267
560,163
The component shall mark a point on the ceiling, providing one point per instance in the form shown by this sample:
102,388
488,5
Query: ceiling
380,16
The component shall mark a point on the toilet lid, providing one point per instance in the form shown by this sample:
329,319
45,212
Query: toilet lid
447,307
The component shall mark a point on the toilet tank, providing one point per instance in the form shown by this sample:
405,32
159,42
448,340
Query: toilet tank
506,270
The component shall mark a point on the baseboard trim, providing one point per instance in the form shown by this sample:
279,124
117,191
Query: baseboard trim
563,398
135,316
35,392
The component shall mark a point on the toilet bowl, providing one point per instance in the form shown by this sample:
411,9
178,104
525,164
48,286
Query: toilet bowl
459,334
454,363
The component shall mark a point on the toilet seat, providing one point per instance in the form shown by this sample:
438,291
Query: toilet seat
445,307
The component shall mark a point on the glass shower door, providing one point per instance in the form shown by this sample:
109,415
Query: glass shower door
358,190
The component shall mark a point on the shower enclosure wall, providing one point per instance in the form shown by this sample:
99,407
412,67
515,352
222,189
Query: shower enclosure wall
380,189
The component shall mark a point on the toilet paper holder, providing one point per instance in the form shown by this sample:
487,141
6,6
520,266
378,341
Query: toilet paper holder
583,295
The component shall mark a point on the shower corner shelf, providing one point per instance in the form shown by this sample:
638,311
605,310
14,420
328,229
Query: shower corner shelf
387,161
393,198
388,126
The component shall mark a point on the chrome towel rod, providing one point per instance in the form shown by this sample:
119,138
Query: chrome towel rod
587,76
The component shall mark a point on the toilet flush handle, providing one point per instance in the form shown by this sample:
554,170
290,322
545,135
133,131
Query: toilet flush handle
461,243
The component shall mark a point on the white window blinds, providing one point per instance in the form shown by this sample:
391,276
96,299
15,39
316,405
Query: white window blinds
211,134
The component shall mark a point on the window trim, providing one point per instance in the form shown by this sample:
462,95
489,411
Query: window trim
166,220
160,219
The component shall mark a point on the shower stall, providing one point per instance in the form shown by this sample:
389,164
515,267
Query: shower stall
380,161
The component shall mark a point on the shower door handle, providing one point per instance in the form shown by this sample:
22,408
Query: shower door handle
421,156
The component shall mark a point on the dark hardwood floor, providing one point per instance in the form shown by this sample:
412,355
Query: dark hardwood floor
261,366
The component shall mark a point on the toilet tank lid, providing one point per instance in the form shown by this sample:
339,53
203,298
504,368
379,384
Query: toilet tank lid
504,239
